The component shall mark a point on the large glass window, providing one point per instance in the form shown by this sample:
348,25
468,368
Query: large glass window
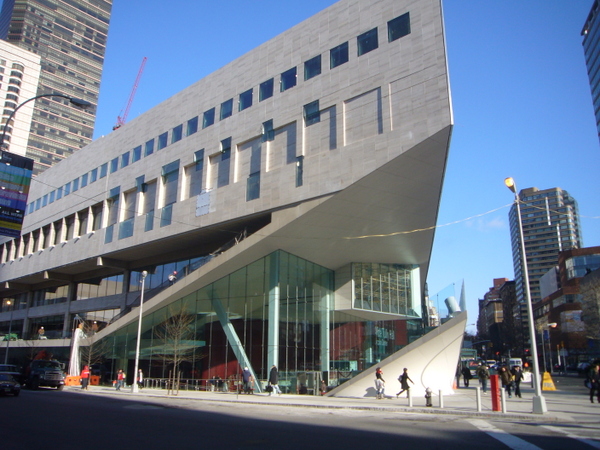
208,118
124,160
312,114
136,154
339,55
103,170
226,109
114,165
149,147
268,133
312,67
288,79
367,41
245,100
265,90
399,27
113,213
253,186
170,178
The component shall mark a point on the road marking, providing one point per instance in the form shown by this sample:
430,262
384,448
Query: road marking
507,439
587,441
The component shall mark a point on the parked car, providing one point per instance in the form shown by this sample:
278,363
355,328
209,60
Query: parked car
8,385
12,370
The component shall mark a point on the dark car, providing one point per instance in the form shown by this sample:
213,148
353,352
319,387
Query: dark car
8,385
12,370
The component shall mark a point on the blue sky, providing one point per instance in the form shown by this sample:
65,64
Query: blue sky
521,97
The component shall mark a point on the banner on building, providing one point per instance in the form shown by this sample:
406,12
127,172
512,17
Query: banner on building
15,178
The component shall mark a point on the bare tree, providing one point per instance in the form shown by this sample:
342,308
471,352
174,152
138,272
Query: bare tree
93,351
590,306
176,334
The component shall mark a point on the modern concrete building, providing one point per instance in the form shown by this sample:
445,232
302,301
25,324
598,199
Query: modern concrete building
550,225
591,49
70,38
294,192
19,77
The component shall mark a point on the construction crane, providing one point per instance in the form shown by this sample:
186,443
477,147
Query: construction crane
121,119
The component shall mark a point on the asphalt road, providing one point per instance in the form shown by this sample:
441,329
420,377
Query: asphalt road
81,420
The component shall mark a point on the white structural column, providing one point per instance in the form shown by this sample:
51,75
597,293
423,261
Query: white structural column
273,325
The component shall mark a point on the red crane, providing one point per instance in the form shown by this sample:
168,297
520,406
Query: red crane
122,119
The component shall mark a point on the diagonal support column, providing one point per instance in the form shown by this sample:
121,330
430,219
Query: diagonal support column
234,340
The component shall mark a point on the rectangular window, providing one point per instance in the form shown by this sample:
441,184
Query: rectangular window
398,27
195,174
149,147
192,126
288,79
113,213
226,109
67,189
268,133
253,187
136,154
312,113
170,177
339,55
312,67
114,165
162,141
209,118
245,100
59,193
265,90
44,200
75,184
84,180
103,170
148,207
124,160
367,41
299,171
126,225
93,175
52,194
177,134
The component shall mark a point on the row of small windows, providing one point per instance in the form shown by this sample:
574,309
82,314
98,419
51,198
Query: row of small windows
366,42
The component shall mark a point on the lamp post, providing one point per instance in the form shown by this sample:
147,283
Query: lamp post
539,402
74,101
9,303
134,386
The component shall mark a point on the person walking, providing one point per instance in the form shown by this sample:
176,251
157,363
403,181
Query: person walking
379,388
466,373
507,380
404,379
140,379
517,378
120,379
274,380
594,381
484,375
247,380
85,377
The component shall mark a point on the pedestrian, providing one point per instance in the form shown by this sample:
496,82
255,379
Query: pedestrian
466,373
172,277
380,388
85,377
507,380
120,379
274,380
140,379
517,378
247,380
484,375
404,379
594,381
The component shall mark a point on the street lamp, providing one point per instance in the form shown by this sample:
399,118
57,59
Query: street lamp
9,303
539,402
74,101
134,386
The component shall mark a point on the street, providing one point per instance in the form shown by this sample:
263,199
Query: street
74,419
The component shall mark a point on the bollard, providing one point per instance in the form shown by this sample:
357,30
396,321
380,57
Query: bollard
410,402
478,397
503,400
441,399
495,392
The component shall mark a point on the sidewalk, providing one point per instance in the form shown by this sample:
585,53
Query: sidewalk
569,403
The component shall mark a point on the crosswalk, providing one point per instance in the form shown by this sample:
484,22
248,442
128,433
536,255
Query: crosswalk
535,437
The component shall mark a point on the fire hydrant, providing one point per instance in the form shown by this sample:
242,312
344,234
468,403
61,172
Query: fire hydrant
428,397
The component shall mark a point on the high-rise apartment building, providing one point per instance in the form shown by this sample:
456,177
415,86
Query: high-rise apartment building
591,49
550,225
70,38
19,78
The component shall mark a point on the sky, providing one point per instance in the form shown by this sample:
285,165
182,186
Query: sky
521,100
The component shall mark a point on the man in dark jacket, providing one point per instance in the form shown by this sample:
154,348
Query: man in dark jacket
274,380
